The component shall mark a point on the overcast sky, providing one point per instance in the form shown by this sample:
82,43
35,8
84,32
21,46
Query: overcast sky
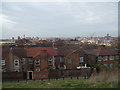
62,19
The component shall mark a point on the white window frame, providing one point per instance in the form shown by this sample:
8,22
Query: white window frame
17,63
50,60
30,61
37,61
3,62
37,69
111,56
105,59
99,58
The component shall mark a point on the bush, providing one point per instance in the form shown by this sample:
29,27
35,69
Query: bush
100,67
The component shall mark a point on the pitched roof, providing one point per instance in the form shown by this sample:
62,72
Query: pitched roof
101,51
32,51
24,52
19,52
4,52
67,50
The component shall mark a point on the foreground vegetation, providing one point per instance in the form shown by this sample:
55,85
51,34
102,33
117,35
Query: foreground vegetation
59,84
67,83
104,79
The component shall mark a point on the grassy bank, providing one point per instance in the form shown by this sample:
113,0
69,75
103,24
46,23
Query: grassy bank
99,80
83,83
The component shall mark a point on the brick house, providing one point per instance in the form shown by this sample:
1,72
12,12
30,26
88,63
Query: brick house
70,57
28,59
5,62
37,61
102,55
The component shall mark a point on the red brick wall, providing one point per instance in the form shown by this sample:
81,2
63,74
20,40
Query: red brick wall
54,73
12,75
66,73
40,74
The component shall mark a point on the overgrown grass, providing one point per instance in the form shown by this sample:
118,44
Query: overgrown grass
81,83
105,76
101,80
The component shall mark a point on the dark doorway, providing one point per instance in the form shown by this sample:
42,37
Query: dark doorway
30,75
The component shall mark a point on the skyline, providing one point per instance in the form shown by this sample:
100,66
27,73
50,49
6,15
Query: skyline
63,19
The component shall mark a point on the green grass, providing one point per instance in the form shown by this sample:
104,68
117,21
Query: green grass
81,83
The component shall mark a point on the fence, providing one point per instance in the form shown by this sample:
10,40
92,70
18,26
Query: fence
85,72
70,73
13,75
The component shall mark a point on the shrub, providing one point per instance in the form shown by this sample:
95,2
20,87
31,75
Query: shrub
100,67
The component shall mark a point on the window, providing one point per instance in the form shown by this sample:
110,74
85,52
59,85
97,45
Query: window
117,57
23,69
22,61
3,62
105,58
37,62
61,60
16,63
81,59
69,61
99,58
111,57
30,61
37,69
111,65
50,61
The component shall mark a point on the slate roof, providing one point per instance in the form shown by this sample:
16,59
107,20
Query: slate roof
4,52
32,51
101,51
25,52
67,50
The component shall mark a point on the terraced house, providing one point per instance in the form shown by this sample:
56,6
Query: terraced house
103,55
36,60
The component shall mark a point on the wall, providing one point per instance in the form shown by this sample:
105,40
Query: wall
67,73
13,75
40,74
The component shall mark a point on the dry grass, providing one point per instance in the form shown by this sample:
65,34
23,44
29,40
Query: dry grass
105,76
